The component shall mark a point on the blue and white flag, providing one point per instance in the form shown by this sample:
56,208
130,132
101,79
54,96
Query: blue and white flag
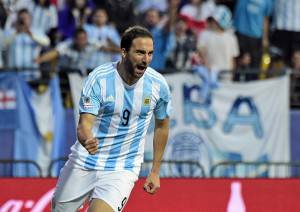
40,135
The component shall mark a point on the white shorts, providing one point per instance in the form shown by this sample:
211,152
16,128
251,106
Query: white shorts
114,187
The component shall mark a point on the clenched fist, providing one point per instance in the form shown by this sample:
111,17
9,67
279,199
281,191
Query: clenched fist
91,145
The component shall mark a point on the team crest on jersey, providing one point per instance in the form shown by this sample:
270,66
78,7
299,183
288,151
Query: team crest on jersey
147,101
87,102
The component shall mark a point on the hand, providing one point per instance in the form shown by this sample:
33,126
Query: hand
91,145
152,183
37,60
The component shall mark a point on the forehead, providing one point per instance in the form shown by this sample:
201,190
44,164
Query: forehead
25,13
81,35
100,12
143,43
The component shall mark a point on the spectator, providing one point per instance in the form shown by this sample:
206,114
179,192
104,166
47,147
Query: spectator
277,66
295,79
143,5
73,54
296,61
198,10
217,44
23,45
73,16
286,25
120,12
3,15
251,22
44,15
106,34
12,8
180,58
55,37
163,36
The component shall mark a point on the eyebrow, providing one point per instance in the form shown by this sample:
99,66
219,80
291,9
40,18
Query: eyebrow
143,51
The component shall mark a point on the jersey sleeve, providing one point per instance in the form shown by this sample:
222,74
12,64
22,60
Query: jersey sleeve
163,107
90,100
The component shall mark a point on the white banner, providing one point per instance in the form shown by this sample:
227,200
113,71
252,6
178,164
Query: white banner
235,122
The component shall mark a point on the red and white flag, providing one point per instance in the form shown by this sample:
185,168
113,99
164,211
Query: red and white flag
8,100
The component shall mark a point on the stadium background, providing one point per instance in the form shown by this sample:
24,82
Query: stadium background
228,125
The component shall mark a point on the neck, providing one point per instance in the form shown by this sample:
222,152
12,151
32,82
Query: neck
126,77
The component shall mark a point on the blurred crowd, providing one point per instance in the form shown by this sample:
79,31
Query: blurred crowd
228,38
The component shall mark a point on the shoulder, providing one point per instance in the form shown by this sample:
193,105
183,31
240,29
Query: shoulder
102,71
156,77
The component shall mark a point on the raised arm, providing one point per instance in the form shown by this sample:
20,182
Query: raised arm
47,57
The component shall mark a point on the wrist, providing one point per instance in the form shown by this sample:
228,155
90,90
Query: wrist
155,168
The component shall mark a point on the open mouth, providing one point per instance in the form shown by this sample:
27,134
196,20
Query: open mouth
141,67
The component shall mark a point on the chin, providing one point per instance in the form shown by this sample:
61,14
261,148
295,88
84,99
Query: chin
139,73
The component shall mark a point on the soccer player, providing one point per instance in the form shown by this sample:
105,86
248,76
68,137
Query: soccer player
117,102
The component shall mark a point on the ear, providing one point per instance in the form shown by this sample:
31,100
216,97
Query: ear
123,52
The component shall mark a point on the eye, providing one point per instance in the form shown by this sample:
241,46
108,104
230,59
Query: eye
140,52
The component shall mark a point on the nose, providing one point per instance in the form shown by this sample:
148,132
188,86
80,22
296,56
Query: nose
147,58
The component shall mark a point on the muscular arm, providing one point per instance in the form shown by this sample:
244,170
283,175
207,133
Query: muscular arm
161,133
84,132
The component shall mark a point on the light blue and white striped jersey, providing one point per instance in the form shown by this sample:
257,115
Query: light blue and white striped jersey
123,115
74,59
22,50
101,35
43,18
287,15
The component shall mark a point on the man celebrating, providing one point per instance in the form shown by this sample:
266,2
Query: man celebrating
117,102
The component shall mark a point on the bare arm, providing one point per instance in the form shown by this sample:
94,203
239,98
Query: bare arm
110,47
265,38
161,133
84,132
41,40
47,57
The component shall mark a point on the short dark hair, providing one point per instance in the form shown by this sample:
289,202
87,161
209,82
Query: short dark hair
134,32
79,31
23,10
